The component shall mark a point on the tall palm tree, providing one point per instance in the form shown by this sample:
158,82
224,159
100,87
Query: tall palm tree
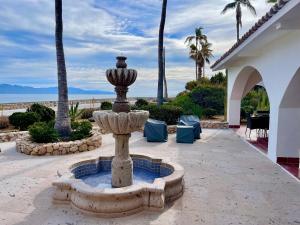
166,96
160,86
237,5
206,54
62,122
194,41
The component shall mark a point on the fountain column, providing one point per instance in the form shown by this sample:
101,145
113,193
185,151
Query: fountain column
122,165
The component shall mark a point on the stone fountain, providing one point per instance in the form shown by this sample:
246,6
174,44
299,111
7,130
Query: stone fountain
121,122
123,184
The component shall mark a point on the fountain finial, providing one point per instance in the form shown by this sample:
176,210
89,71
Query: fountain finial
121,77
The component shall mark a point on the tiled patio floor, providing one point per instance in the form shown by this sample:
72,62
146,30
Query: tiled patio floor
226,183
261,144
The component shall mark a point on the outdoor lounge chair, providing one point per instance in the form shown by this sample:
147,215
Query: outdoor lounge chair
191,120
185,134
156,131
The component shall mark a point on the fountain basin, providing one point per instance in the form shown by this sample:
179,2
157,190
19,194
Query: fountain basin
121,123
157,183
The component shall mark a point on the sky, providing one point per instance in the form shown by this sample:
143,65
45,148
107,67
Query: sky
96,31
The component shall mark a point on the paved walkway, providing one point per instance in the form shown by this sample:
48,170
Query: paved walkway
227,182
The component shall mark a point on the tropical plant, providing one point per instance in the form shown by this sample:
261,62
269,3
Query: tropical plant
22,120
62,123
43,132
205,55
106,106
160,86
47,114
81,130
194,42
237,5
141,102
75,112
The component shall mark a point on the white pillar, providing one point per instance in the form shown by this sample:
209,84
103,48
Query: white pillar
234,112
273,133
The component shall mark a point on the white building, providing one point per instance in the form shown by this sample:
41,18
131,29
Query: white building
270,53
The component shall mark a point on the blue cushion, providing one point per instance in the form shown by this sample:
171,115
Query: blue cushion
156,131
185,134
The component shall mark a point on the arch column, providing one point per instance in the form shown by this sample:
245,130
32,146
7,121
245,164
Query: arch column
234,113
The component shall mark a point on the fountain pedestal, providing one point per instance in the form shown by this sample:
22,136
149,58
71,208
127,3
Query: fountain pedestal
122,165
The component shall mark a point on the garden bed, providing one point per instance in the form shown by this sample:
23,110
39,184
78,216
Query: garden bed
26,146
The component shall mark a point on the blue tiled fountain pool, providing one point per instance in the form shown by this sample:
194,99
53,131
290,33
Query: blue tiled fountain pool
99,174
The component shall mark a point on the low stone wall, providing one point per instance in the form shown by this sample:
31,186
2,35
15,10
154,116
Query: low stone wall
205,124
26,146
12,136
211,124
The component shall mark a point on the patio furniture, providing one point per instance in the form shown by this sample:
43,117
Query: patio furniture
156,131
185,134
258,123
191,120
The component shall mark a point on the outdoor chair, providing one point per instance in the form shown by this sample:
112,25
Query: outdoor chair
185,134
190,120
156,131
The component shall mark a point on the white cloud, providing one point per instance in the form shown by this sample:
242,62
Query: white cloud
97,30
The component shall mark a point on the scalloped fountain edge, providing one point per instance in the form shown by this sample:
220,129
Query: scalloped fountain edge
117,202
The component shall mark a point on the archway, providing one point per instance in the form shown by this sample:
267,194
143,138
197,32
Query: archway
245,81
288,135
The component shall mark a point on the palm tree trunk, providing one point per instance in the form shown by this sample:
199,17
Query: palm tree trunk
62,122
237,31
199,72
196,66
160,88
165,78
203,73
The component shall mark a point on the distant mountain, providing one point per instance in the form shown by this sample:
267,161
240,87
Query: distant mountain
17,89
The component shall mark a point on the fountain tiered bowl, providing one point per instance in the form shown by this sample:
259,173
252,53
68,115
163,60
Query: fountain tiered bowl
122,184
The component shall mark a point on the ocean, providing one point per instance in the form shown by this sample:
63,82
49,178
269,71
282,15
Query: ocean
15,98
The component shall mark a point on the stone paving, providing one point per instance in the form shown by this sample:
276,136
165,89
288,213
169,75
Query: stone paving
227,182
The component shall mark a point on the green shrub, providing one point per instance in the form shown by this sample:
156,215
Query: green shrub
209,113
23,120
191,85
141,102
87,113
4,122
209,97
168,113
187,104
46,114
81,130
106,106
43,132
219,79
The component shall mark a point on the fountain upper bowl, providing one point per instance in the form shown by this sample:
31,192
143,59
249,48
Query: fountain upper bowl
121,76
121,123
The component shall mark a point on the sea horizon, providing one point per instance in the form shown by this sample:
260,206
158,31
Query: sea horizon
23,98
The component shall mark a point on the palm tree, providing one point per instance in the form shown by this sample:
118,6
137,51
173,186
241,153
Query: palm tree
62,122
160,88
206,54
194,41
237,6
166,96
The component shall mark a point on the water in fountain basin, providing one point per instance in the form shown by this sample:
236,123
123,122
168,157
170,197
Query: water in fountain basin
102,179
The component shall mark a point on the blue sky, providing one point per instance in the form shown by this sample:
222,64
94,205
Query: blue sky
98,30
